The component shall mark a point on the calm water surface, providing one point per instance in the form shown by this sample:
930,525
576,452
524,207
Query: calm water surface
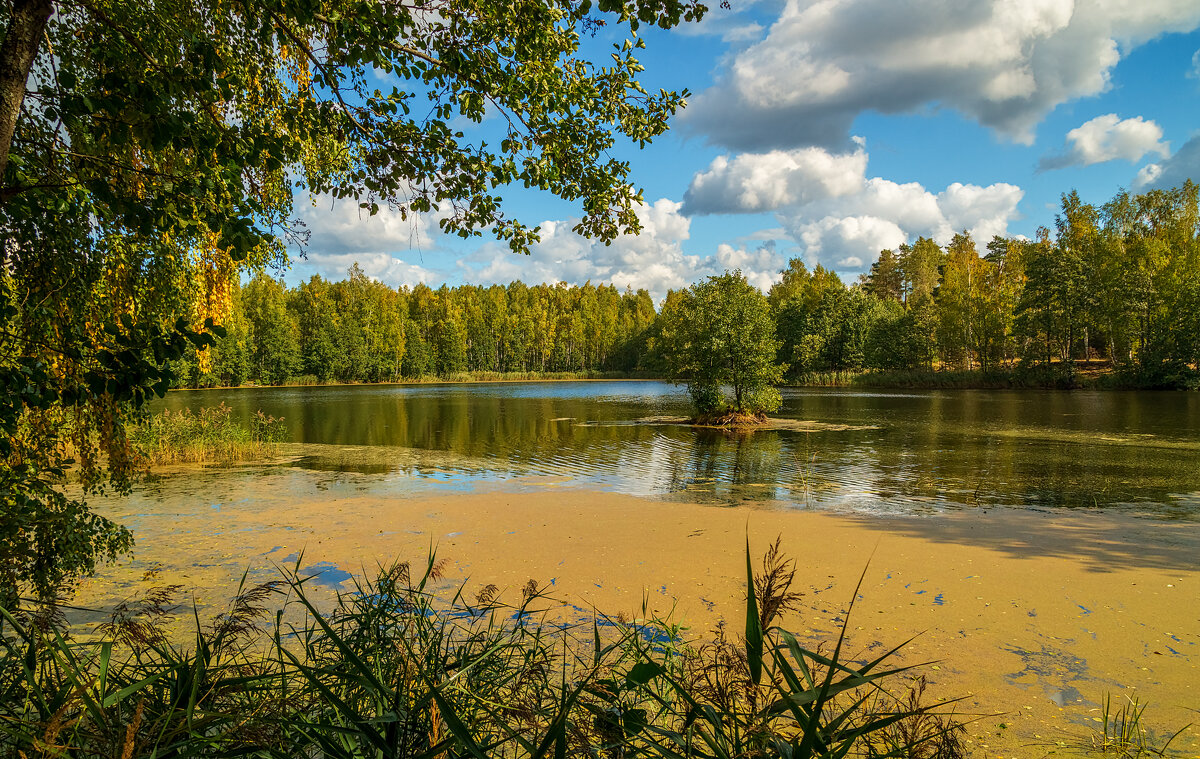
888,451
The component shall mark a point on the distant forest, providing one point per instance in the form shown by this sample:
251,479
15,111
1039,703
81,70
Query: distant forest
1119,282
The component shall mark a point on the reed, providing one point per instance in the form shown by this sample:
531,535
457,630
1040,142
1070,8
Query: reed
1121,733
395,670
211,434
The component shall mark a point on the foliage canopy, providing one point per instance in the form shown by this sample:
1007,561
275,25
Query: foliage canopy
150,150
721,338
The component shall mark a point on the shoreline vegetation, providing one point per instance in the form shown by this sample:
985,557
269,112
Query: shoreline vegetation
394,671
462,378
1097,375
1093,375
210,434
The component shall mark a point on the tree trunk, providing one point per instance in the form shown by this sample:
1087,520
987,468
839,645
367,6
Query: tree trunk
20,46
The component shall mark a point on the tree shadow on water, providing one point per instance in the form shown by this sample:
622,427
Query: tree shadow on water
1102,541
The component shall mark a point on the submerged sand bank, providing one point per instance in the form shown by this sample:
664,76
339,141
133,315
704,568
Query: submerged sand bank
1031,614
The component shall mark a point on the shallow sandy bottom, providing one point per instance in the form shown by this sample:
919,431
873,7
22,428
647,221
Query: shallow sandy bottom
1031,616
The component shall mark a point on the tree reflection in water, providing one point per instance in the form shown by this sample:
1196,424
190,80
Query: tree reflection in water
890,451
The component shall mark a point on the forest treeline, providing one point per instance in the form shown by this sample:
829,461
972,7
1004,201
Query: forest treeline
1118,282
360,330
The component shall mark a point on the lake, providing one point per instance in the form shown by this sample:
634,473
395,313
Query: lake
1042,546
877,451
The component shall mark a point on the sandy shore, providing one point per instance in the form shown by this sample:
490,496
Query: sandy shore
1032,616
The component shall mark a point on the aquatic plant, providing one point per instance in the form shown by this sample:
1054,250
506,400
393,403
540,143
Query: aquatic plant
1121,733
211,434
396,670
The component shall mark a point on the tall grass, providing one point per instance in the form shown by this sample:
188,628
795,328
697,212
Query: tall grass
212,434
392,671
1121,733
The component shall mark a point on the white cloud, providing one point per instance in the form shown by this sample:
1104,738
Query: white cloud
771,233
842,240
382,267
754,182
342,227
732,24
1147,174
1194,71
836,214
1108,138
1003,63
653,260
341,234
762,266
392,250
983,211
1174,171
742,32
886,214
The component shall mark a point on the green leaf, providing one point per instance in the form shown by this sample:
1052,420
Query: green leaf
754,631
643,672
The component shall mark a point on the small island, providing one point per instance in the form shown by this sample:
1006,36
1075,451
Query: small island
720,341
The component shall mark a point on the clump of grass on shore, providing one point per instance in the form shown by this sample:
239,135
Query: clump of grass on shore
393,672
212,434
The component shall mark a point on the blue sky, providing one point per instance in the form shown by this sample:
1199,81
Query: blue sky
829,129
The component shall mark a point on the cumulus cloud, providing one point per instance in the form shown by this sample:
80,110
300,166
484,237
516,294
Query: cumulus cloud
754,182
1004,63
1174,171
840,217
1194,72
342,227
382,267
1147,174
762,266
844,241
732,24
1108,138
654,259
341,234
983,211
848,233
393,251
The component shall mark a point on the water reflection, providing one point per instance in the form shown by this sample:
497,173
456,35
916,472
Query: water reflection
903,452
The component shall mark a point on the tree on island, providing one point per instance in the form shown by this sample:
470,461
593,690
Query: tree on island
720,340
149,153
